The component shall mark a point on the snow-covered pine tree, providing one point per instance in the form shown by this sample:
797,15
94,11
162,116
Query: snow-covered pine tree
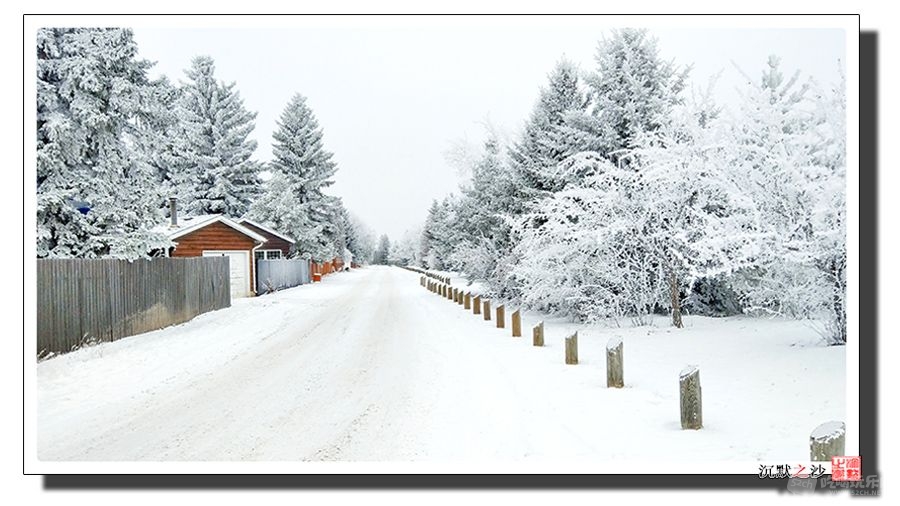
94,197
546,139
631,91
217,150
333,230
360,239
293,200
436,241
382,253
161,141
584,251
479,230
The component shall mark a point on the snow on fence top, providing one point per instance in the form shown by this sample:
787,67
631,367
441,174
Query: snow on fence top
828,431
614,343
688,370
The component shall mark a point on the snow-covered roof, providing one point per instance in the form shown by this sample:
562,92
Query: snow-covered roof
187,225
267,229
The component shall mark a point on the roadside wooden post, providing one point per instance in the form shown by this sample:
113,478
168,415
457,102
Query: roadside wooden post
456,295
501,316
460,298
537,334
467,301
422,280
487,310
476,307
827,441
691,398
449,292
516,324
615,377
572,349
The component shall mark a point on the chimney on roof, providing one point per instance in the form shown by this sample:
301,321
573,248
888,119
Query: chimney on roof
173,212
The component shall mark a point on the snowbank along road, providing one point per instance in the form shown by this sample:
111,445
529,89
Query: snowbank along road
368,365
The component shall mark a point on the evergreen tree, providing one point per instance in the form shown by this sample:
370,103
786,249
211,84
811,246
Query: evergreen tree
161,141
631,91
546,140
294,200
382,253
479,231
360,240
94,196
217,148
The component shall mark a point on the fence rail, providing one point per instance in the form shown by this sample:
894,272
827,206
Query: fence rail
272,275
107,299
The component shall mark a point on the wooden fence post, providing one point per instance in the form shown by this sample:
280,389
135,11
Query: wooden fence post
476,307
572,349
459,299
827,441
487,310
467,301
450,292
615,377
691,398
538,334
501,316
516,324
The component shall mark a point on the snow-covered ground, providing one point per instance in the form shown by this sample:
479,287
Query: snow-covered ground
368,365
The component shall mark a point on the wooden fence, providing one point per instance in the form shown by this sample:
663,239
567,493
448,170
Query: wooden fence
106,299
272,275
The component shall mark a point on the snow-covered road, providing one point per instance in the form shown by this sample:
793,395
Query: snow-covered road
368,365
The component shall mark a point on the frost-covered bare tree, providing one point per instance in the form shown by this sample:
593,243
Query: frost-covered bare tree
791,162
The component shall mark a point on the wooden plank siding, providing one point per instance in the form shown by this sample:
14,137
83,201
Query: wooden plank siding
216,236
105,299
272,240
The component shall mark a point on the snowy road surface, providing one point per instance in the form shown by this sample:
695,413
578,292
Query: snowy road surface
368,365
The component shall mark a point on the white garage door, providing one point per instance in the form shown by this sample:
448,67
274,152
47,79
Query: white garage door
239,262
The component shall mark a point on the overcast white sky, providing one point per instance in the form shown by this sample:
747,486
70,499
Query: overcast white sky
392,94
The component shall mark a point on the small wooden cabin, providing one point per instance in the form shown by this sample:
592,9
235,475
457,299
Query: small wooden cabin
216,235
277,245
